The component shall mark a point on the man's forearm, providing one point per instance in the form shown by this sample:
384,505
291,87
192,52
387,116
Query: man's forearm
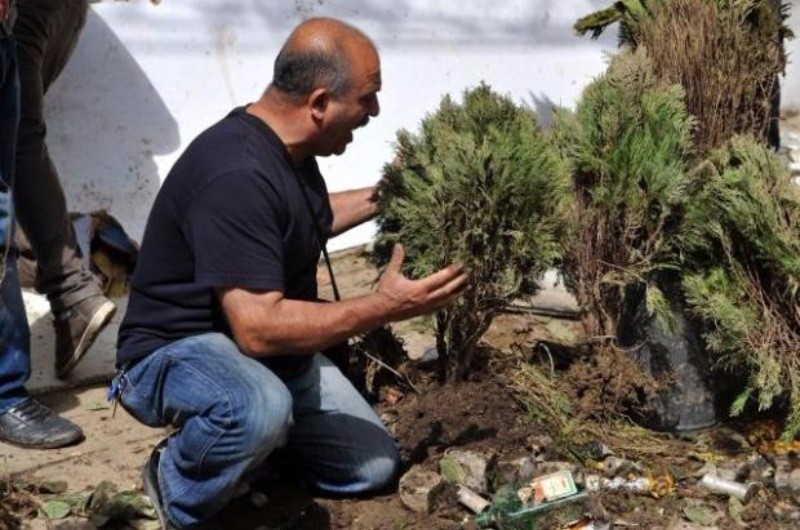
264,323
351,208
300,327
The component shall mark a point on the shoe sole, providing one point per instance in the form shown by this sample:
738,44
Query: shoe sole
64,442
150,486
74,440
99,320
52,445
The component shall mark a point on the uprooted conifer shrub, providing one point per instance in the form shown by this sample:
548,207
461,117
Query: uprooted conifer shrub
741,239
479,184
726,54
736,239
728,222
629,143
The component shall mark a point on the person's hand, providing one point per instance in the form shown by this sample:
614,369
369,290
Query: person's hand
405,298
4,9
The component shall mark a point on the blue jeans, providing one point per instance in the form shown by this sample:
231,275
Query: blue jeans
232,412
15,360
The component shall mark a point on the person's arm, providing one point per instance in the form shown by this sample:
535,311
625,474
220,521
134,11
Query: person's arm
264,323
4,9
351,208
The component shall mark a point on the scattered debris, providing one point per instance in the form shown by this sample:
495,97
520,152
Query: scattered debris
465,468
615,467
701,514
656,487
725,486
56,509
549,488
472,500
597,450
418,489
508,511
517,471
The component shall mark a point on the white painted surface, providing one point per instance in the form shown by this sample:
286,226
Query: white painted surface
790,84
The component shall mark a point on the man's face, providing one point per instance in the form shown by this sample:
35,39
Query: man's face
353,109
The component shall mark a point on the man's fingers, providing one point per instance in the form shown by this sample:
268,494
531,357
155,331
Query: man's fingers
450,290
396,261
442,277
417,297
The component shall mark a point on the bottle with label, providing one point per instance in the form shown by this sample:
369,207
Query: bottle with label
517,508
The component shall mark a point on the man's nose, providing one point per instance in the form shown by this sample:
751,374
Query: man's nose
374,108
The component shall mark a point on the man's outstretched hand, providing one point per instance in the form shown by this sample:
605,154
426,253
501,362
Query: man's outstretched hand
405,298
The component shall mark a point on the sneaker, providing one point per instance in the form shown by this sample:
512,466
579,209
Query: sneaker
151,487
76,330
31,424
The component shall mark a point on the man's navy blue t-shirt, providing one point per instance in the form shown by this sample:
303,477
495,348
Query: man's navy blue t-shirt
231,213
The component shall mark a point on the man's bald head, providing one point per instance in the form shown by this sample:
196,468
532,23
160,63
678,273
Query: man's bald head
317,54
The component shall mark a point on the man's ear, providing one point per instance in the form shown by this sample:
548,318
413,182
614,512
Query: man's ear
318,103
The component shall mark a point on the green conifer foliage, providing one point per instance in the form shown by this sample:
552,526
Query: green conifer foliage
628,13
741,241
479,184
629,142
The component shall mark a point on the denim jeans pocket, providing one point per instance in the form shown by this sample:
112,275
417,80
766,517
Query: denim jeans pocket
140,388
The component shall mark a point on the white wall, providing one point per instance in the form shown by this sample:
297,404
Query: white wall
790,89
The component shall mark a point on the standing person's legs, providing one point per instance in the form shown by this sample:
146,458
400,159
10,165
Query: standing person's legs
340,443
231,412
23,420
47,31
15,363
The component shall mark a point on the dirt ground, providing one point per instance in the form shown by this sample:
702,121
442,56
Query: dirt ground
484,415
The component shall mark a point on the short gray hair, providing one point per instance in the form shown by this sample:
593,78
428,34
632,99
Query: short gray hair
298,72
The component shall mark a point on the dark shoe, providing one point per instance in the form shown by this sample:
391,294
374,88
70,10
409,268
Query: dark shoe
76,329
153,492
31,424
151,488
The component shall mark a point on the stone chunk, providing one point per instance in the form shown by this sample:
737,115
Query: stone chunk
465,468
509,472
418,489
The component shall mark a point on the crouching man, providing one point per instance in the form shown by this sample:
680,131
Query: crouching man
222,329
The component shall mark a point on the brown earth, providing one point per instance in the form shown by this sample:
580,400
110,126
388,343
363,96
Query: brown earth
484,414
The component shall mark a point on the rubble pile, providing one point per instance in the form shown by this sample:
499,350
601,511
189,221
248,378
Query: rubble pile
724,487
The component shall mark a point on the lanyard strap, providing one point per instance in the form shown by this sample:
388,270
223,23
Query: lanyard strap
320,235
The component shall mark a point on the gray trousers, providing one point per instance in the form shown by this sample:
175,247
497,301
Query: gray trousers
46,33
